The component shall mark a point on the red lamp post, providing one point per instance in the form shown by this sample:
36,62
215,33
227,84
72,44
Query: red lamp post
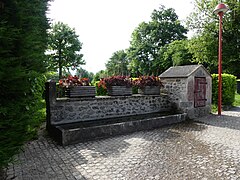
220,10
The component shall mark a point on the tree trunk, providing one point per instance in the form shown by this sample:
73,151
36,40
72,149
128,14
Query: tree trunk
60,63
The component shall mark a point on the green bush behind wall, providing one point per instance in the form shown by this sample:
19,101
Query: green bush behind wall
228,89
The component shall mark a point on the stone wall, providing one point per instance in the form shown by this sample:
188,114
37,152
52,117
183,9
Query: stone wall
176,88
181,94
71,110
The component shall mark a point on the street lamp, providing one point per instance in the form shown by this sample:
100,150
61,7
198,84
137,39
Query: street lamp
220,10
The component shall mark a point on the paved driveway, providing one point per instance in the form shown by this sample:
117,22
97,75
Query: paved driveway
206,149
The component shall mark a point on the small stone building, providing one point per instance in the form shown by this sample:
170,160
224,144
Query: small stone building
189,88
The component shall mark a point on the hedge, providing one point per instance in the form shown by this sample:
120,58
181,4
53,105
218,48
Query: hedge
23,117
23,34
228,89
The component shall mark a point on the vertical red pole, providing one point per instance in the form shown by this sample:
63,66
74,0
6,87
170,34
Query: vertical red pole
220,64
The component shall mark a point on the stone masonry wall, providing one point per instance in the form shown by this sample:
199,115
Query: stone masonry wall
72,110
176,88
181,93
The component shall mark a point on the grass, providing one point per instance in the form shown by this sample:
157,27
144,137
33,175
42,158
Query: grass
214,108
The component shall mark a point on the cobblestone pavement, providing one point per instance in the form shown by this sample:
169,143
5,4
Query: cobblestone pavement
206,149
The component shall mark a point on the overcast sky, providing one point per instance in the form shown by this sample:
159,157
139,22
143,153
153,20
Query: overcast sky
105,26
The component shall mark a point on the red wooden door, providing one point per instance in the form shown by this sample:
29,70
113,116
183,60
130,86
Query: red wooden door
200,92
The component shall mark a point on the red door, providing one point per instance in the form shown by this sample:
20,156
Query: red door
200,92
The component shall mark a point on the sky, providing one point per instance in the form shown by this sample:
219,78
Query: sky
105,26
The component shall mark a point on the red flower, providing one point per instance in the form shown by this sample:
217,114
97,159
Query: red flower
71,81
143,81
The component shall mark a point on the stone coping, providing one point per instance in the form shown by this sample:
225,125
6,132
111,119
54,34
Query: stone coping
107,97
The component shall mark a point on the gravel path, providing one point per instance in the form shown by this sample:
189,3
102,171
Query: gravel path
208,148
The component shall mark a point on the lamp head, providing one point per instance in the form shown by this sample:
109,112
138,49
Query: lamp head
220,8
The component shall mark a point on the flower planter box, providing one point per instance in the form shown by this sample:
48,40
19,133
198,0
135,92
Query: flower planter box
80,91
149,90
119,91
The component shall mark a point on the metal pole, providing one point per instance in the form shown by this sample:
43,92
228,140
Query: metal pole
220,65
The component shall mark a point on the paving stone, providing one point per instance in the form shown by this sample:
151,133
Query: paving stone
208,148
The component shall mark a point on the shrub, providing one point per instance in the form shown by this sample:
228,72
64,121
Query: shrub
21,118
23,43
101,89
51,75
228,89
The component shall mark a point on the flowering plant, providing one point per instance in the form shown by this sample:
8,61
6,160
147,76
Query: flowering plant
116,81
72,81
144,81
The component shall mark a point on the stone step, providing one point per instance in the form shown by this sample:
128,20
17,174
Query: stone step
84,131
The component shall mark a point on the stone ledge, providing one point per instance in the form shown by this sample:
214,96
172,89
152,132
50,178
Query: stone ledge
107,97
81,132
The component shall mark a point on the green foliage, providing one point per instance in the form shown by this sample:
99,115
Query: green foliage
117,65
84,73
135,90
63,48
228,89
204,49
21,118
205,45
149,38
51,75
175,54
23,39
99,75
214,108
36,103
237,100
101,89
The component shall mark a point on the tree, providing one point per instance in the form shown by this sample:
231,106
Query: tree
99,75
63,48
204,49
118,64
23,39
205,44
82,73
149,38
174,54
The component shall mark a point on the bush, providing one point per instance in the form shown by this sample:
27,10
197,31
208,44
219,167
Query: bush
22,118
23,35
228,89
51,75
101,89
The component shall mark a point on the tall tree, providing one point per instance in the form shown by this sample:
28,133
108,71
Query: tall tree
174,54
118,64
23,37
64,48
148,38
205,44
